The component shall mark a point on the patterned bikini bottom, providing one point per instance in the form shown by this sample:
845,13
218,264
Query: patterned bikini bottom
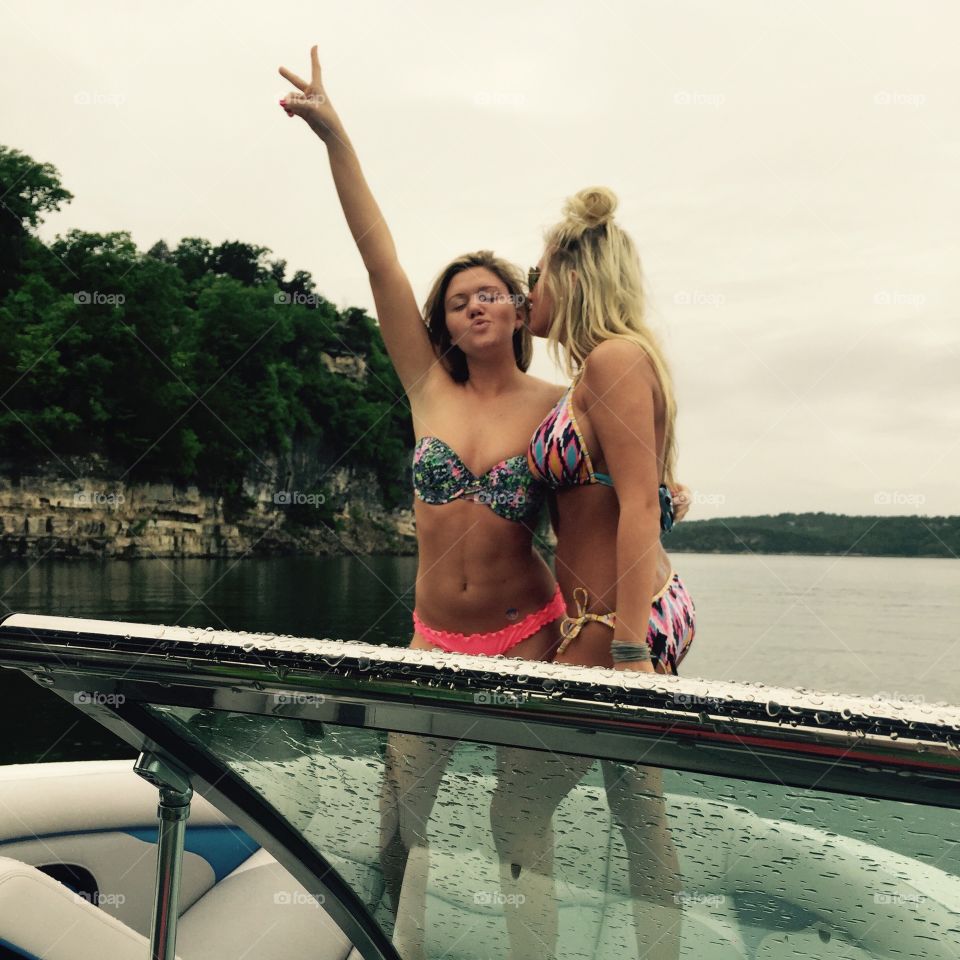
669,634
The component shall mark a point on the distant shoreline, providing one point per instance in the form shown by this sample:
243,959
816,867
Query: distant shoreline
820,534
798,553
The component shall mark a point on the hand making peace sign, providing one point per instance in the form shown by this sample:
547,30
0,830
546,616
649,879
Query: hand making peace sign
309,100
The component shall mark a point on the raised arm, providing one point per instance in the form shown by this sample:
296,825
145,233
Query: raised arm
401,324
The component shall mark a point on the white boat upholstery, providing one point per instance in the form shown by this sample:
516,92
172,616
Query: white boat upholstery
82,814
125,868
863,892
42,918
259,912
52,798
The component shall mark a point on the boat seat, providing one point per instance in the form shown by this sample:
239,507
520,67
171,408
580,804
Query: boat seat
818,872
40,917
101,817
259,912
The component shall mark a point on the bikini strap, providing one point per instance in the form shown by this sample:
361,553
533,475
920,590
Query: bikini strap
571,626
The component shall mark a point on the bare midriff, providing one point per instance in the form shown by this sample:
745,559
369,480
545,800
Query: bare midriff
478,572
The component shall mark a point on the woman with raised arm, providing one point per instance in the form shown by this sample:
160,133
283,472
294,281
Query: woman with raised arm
607,449
481,586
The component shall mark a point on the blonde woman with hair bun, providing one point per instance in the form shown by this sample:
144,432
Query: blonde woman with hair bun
608,452
608,448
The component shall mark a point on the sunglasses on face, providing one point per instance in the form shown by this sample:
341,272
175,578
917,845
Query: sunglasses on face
533,275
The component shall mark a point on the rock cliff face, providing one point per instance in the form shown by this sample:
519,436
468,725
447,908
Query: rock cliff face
354,367
294,504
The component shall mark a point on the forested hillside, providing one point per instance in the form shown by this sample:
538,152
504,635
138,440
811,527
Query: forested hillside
183,364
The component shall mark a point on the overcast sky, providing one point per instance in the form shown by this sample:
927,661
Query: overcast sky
788,171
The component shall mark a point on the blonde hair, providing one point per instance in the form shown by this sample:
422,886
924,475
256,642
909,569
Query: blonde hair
435,311
592,272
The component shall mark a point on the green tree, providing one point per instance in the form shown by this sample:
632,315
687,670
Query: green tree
29,190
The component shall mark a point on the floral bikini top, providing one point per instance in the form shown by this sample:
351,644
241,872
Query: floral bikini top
558,456
508,487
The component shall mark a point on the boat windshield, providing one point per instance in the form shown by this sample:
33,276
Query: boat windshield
445,807
465,850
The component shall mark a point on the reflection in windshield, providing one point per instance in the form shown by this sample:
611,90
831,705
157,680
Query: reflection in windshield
529,787
487,853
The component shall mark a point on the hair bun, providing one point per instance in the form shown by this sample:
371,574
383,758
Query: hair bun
591,207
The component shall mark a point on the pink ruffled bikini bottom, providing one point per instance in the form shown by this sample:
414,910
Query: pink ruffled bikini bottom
492,644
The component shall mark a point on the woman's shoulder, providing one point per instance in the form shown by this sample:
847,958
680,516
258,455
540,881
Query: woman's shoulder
544,389
618,359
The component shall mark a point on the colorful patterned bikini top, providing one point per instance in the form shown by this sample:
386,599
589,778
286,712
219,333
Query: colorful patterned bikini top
558,456
508,487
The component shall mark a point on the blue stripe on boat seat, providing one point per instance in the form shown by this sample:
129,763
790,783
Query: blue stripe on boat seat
13,948
224,848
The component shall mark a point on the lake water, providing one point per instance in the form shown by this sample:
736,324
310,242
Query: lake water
847,624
